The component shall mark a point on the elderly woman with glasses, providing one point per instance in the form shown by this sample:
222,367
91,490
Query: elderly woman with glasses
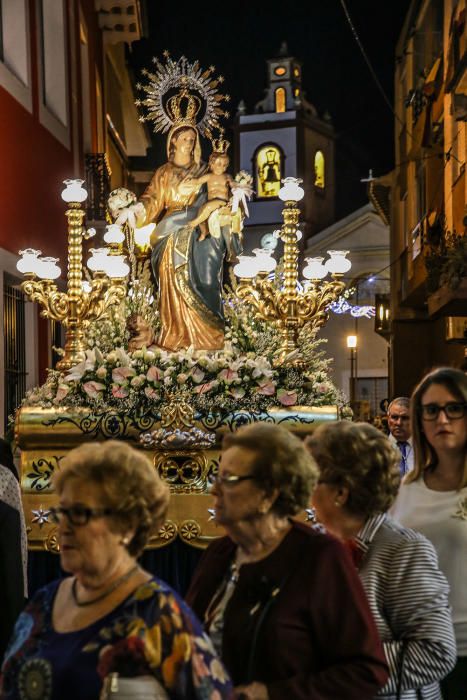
110,616
433,497
282,603
408,594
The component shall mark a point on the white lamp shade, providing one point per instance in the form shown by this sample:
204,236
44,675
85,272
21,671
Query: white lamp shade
265,261
352,341
48,269
114,234
86,286
142,235
338,264
291,190
314,270
116,267
247,266
74,192
96,262
28,262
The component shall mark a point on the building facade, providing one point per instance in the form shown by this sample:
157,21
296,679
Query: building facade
67,110
428,194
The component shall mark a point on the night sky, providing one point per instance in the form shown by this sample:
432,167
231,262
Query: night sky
238,41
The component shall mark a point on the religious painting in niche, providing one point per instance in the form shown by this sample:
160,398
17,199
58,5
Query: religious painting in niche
268,171
319,170
280,99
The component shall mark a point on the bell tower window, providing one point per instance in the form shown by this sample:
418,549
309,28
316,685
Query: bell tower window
319,170
280,99
268,171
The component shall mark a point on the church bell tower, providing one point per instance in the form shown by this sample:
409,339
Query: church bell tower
285,137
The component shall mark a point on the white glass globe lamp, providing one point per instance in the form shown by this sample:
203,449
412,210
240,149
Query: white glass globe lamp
116,267
48,268
291,190
114,234
264,260
96,263
246,267
28,262
314,269
74,191
337,263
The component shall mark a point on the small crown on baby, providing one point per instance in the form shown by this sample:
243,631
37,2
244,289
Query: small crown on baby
220,145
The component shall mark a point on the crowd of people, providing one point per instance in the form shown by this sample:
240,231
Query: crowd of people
368,601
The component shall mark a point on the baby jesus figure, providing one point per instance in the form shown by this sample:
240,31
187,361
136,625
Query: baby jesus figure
219,183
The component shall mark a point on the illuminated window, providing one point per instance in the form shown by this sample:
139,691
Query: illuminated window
280,99
296,92
268,171
296,72
280,70
319,169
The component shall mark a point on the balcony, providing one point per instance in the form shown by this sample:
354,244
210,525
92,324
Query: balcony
97,185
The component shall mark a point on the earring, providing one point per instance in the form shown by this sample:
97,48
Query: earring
337,503
125,541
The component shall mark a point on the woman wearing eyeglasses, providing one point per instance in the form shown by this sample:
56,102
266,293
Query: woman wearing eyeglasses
110,616
433,497
283,604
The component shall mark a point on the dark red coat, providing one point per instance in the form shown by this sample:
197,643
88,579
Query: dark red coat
317,641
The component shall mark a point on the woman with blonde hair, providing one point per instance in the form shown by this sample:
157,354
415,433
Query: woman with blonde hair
85,635
408,594
433,497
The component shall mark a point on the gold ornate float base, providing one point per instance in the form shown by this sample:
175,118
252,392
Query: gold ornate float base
45,435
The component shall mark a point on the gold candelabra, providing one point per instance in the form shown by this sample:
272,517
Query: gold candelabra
284,303
77,307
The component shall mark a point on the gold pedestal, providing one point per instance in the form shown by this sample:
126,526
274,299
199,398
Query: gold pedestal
45,435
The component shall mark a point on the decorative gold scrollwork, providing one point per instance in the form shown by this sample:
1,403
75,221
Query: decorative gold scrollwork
189,530
51,542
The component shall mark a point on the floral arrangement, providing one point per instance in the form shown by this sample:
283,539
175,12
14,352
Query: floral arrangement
119,199
244,374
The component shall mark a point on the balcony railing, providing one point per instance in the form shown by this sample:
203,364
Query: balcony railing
97,185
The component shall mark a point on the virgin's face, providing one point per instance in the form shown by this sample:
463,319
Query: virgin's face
184,142
90,549
443,433
241,500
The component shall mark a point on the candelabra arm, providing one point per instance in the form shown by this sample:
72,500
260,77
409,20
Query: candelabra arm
55,304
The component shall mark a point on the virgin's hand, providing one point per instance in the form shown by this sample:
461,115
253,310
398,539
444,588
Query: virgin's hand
252,691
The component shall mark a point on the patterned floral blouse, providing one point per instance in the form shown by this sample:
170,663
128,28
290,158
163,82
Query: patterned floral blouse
151,632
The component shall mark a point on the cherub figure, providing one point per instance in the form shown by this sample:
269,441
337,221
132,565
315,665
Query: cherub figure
219,183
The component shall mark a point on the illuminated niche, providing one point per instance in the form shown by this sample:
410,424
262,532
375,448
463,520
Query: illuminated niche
319,170
280,99
268,171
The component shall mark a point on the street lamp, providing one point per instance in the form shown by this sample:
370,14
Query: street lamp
80,304
283,302
352,345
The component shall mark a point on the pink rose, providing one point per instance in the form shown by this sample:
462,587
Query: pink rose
119,392
93,389
62,391
228,376
266,389
154,374
287,398
204,388
151,393
121,374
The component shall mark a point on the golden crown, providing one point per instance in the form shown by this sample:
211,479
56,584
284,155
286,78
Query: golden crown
183,107
197,102
220,146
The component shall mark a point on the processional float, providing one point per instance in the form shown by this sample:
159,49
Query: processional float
257,358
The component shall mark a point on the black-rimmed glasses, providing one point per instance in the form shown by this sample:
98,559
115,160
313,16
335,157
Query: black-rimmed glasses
228,479
452,410
78,515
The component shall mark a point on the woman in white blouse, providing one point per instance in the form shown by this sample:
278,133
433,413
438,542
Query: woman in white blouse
433,497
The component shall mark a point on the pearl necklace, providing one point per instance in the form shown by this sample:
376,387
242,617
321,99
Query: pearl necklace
118,582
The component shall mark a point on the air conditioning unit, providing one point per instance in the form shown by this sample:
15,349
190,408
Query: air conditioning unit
456,329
